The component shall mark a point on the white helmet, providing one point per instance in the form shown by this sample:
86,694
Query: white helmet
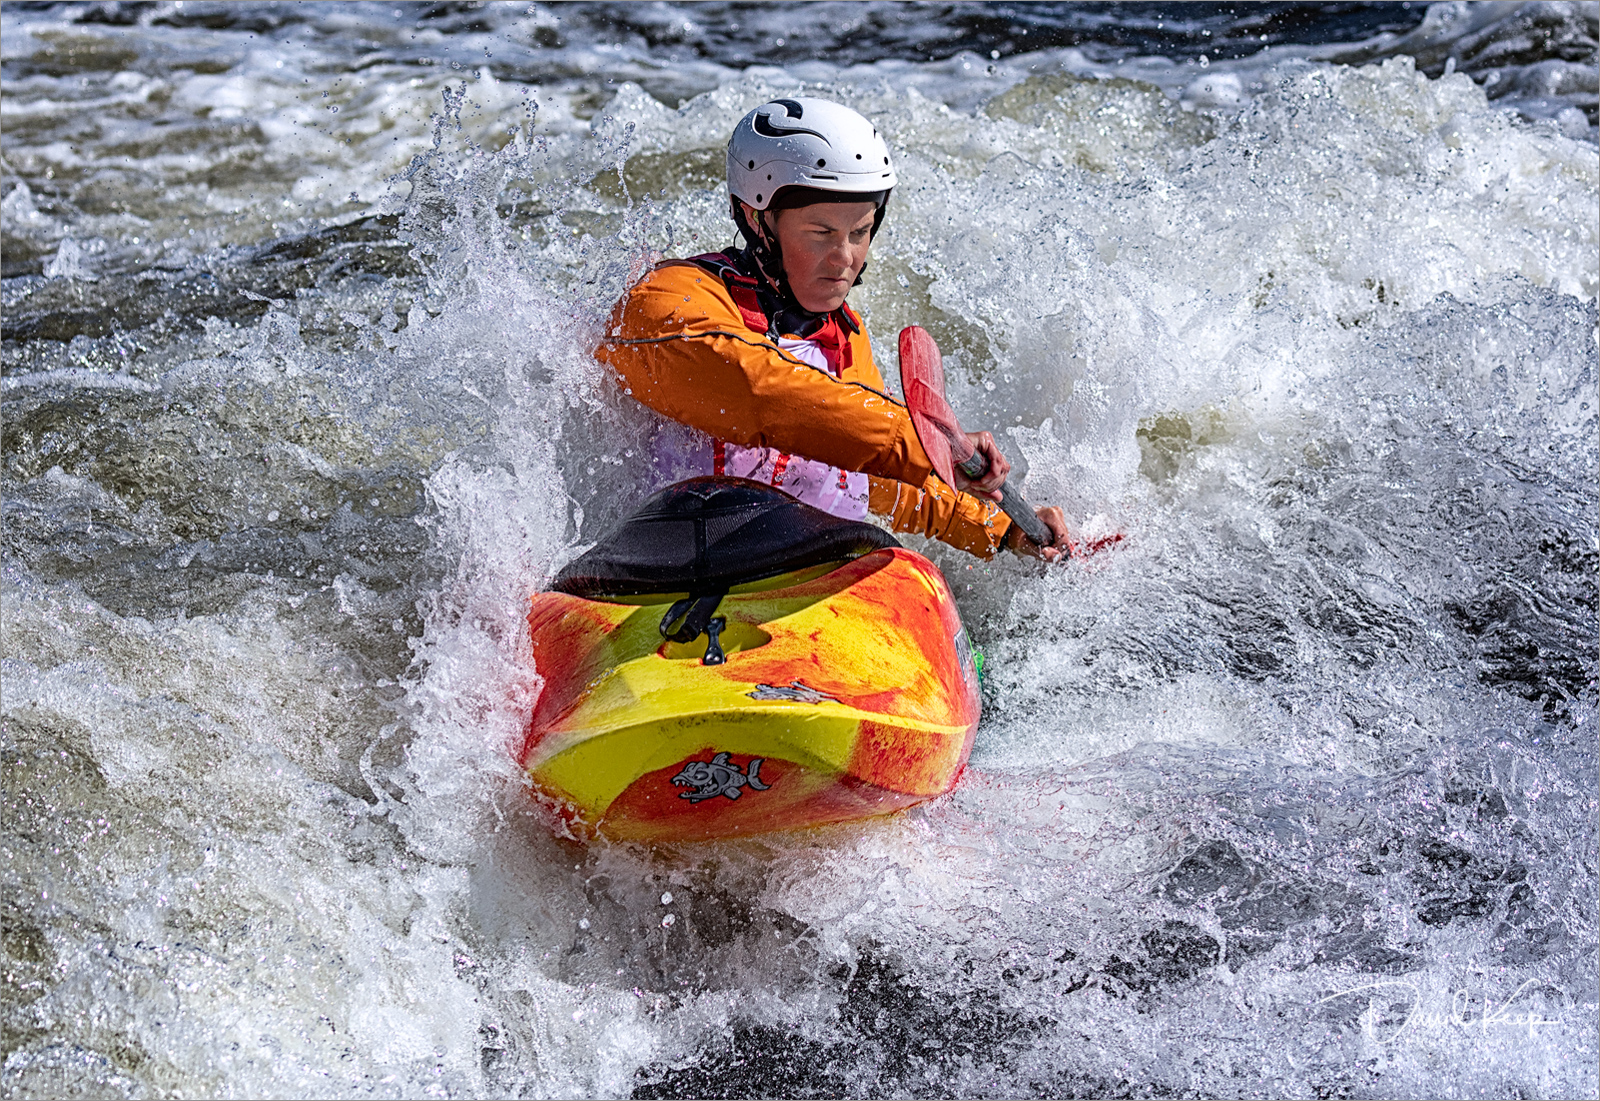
808,143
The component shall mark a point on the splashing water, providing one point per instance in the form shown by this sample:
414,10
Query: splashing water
1291,794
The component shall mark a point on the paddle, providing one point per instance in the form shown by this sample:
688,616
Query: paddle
922,379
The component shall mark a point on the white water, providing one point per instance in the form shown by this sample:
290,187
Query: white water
1325,720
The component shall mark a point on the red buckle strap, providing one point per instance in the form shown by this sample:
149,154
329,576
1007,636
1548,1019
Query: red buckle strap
749,303
741,287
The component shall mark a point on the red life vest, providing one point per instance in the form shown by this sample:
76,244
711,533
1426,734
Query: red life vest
833,337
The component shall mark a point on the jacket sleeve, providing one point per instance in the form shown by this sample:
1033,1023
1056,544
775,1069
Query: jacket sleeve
681,347
939,512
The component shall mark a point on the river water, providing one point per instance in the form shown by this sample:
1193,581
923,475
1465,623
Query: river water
1291,794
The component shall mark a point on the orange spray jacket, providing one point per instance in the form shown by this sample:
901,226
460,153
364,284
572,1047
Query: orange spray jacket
685,347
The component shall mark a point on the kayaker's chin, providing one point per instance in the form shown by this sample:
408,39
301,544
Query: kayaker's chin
823,295
731,662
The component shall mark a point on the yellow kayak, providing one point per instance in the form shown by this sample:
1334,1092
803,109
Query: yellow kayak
732,661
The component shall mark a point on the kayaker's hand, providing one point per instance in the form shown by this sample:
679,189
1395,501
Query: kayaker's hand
988,486
1059,549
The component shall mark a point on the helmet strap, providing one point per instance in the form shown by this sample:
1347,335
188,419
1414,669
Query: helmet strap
762,240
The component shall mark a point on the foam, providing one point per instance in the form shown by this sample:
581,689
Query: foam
1324,351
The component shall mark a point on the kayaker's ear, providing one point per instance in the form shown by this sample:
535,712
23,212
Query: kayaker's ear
756,219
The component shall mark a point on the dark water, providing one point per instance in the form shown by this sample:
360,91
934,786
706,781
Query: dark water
739,35
1291,795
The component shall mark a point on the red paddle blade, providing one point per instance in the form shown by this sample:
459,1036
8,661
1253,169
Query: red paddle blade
935,439
922,380
920,360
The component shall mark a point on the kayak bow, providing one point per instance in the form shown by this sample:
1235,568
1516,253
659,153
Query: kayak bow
846,686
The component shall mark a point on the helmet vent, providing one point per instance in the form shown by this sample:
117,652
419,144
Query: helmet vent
753,165
822,164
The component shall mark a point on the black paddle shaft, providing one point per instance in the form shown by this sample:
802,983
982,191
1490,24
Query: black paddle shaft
1011,501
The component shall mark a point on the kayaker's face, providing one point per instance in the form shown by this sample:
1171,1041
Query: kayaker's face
824,247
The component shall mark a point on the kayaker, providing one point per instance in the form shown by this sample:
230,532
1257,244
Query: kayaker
765,372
